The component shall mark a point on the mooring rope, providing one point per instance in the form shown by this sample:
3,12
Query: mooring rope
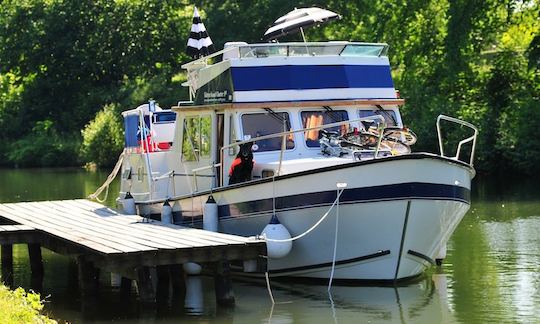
335,244
306,232
269,288
107,182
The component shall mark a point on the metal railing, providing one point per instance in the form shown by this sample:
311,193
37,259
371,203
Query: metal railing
471,138
312,49
283,135
296,49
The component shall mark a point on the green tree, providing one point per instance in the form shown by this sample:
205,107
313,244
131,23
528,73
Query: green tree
103,137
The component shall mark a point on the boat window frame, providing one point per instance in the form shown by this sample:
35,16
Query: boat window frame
321,109
377,112
197,150
163,112
259,112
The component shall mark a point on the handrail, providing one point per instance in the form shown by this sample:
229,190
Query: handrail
212,166
338,46
462,142
334,43
294,131
205,58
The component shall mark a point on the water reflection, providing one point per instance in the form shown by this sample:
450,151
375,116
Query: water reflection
422,302
495,255
51,184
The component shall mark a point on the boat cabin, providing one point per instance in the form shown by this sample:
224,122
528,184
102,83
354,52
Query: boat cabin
158,128
276,97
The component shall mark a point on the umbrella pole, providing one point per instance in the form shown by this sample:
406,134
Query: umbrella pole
304,38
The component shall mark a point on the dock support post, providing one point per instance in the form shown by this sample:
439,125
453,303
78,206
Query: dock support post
145,286
7,264
163,284
88,277
223,284
125,286
36,266
178,282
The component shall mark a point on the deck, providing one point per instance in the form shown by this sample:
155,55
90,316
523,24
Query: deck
103,238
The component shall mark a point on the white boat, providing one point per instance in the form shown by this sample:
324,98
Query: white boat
395,210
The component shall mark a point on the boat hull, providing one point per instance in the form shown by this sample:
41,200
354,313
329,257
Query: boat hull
395,215
374,238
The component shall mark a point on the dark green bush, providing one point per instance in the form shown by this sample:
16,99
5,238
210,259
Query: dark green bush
103,137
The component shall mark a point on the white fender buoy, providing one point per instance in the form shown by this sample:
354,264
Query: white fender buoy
166,212
194,301
210,215
129,204
192,268
277,231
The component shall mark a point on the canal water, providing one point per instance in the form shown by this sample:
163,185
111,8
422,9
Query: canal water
491,274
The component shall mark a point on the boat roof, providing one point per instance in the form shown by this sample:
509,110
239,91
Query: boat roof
291,72
190,106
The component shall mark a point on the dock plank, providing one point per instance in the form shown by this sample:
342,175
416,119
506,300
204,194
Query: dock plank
85,243
171,228
107,227
150,230
21,215
109,238
210,235
15,228
136,233
37,212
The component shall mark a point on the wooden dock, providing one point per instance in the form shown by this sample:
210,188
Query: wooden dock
101,238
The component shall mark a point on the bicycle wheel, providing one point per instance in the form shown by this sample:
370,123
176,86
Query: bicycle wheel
404,135
396,146
363,139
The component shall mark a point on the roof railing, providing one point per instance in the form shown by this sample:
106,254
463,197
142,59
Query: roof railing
332,48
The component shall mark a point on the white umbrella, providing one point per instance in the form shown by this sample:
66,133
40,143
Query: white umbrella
199,43
297,19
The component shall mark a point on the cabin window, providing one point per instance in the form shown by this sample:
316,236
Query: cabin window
388,115
261,124
164,117
318,118
196,139
131,127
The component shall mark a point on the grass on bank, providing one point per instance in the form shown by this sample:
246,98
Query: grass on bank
19,306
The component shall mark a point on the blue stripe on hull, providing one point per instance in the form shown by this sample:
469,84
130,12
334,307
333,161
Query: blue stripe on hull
413,190
298,77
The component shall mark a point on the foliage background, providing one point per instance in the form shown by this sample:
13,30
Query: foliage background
19,306
63,61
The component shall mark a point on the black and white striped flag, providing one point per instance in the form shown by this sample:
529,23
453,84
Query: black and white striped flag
199,43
